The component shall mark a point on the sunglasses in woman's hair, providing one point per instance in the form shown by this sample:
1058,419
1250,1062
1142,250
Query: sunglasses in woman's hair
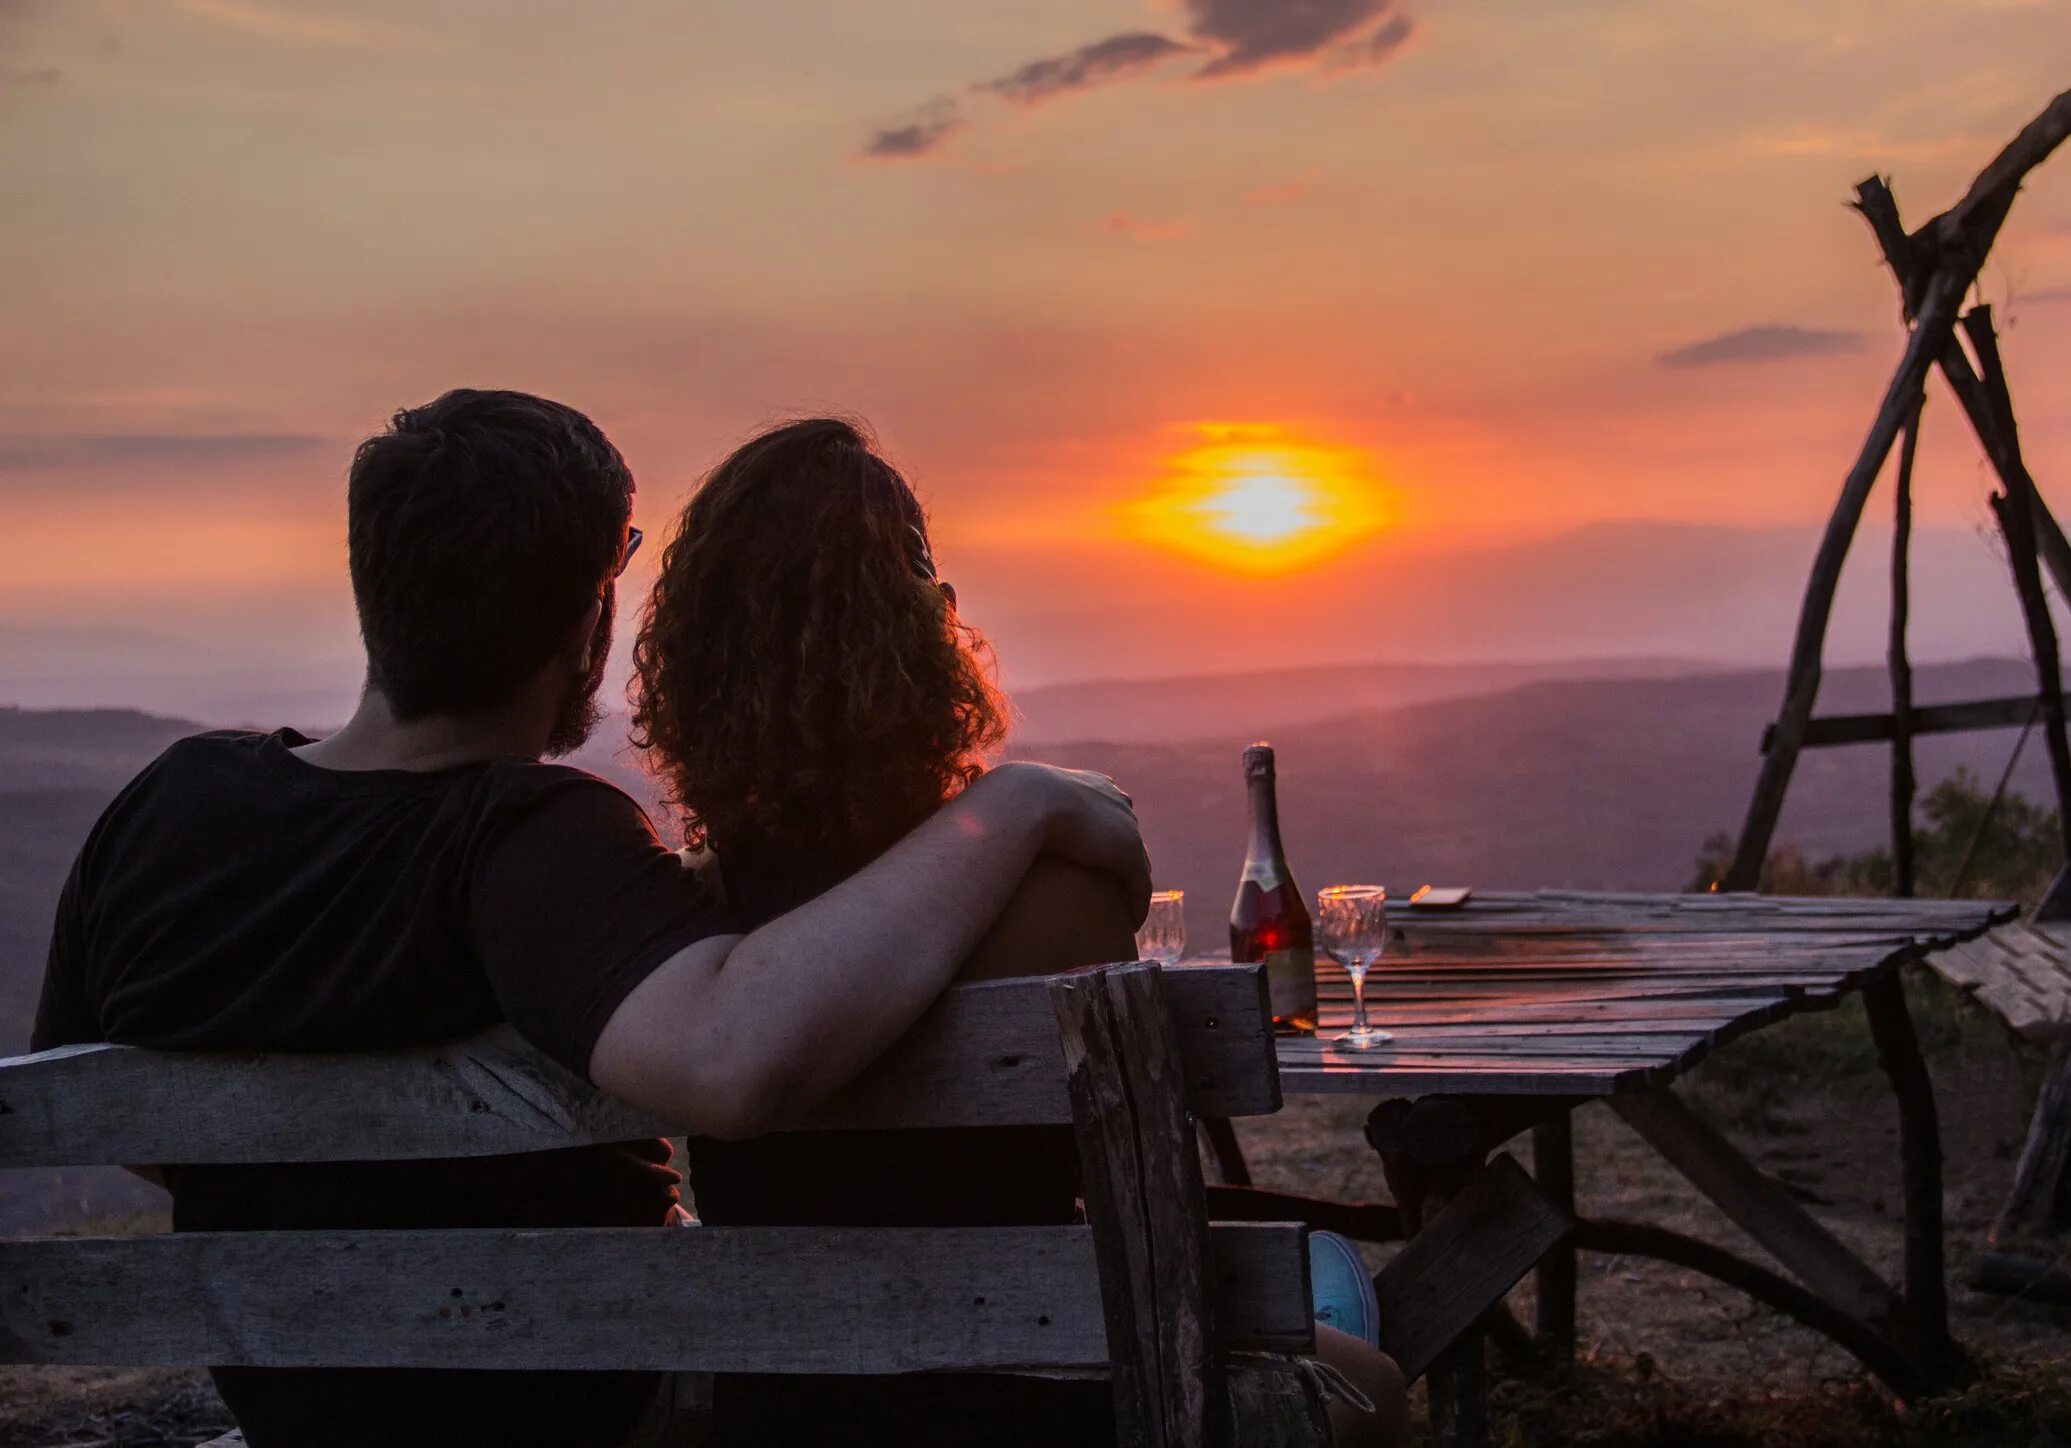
633,537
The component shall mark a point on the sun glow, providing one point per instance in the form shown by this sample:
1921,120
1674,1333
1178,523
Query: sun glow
1252,498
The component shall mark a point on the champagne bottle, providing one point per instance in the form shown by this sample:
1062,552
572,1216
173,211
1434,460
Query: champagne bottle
1269,921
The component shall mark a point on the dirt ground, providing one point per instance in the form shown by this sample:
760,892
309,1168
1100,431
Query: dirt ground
1668,1357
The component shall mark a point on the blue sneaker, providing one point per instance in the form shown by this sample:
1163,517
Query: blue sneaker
1341,1289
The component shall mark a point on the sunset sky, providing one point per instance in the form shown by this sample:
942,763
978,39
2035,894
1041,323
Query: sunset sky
1477,275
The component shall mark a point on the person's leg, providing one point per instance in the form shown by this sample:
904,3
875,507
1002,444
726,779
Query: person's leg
1373,1373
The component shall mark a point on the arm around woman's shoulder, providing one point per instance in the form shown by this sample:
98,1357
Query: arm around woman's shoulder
1062,915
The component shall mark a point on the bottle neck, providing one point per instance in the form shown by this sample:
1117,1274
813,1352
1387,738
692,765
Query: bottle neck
1265,823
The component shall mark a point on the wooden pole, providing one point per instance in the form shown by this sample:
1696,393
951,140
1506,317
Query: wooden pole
1920,1166
2016,512
1874,200
1801,686
1553,1168
2032,1209
1954,246
1903,783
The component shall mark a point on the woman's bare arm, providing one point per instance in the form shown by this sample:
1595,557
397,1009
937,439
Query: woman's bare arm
1063,915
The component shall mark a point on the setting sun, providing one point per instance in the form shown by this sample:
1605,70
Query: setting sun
1250,497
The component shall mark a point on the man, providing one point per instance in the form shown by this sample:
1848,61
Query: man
420,875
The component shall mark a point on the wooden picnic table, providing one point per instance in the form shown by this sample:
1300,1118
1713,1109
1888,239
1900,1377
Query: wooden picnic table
1510,1012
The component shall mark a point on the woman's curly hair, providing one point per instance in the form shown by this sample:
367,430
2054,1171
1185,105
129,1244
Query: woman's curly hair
800,674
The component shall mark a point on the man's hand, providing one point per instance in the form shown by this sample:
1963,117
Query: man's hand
1086,818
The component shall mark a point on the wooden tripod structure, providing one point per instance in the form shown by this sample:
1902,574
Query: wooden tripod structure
1934,266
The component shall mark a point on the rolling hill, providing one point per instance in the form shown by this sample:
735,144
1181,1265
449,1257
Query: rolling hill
1471,776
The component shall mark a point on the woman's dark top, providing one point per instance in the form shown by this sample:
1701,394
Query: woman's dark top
1019,1176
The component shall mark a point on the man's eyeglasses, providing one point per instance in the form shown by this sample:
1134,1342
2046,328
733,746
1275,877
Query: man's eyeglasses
923,561
633,537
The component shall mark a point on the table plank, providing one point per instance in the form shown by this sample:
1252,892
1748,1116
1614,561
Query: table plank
1593,993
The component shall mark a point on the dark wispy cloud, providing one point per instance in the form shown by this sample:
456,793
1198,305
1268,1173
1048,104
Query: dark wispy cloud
1115,58
2044,296
1250,35
38,75
1240,39
131,449
1761,344
918,133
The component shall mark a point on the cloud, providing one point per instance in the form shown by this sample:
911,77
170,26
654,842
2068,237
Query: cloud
1243,38
1376,49
918,133
1250,35
1138,228
2044,297
1761,344
1115,58
126,449
45,75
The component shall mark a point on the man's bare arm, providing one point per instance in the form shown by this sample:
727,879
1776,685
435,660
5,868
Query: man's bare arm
738,1033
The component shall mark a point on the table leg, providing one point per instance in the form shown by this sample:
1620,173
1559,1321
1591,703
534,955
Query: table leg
1228,1153
1428,1149
1553,1168
1458,1382
1920,1159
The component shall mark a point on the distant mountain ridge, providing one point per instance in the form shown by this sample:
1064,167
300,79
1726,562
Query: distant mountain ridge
1609,782
1199,706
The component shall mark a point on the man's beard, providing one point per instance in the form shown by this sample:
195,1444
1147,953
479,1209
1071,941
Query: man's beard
579,711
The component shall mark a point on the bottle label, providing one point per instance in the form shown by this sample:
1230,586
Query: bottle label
1291,983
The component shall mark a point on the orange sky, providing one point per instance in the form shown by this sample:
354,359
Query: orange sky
1513,269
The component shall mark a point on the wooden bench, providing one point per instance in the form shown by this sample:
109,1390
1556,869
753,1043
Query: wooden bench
2022,973
1197,1324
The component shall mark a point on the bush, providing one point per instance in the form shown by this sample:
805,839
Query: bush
1964,847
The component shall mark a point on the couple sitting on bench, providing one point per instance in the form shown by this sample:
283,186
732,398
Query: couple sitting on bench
818,711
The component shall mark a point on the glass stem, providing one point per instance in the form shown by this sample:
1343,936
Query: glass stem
1359,1026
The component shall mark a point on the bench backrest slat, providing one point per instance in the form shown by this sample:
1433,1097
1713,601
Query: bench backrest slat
693,1299
986,1055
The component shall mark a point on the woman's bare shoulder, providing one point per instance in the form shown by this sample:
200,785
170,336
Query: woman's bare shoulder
1063,915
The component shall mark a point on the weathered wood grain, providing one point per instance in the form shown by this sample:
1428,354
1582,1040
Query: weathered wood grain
1141,1177
986,1055
695,1299
2034,1207
1759,1206
1463,1260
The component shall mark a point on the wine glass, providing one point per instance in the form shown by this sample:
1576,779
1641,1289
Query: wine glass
1163,937
1353,920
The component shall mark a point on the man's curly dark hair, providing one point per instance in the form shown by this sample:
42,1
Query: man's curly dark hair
799,673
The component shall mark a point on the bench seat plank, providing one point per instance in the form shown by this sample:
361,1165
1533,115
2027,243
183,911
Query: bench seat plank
693,1299
985,1055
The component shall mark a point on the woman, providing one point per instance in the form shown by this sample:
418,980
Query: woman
810,695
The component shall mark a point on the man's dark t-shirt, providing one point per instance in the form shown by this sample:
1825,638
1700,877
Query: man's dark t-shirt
236,897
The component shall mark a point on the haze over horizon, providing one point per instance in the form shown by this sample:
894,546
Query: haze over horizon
1215,333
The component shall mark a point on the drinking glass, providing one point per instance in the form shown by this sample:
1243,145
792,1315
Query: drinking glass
1353,920
1163,937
